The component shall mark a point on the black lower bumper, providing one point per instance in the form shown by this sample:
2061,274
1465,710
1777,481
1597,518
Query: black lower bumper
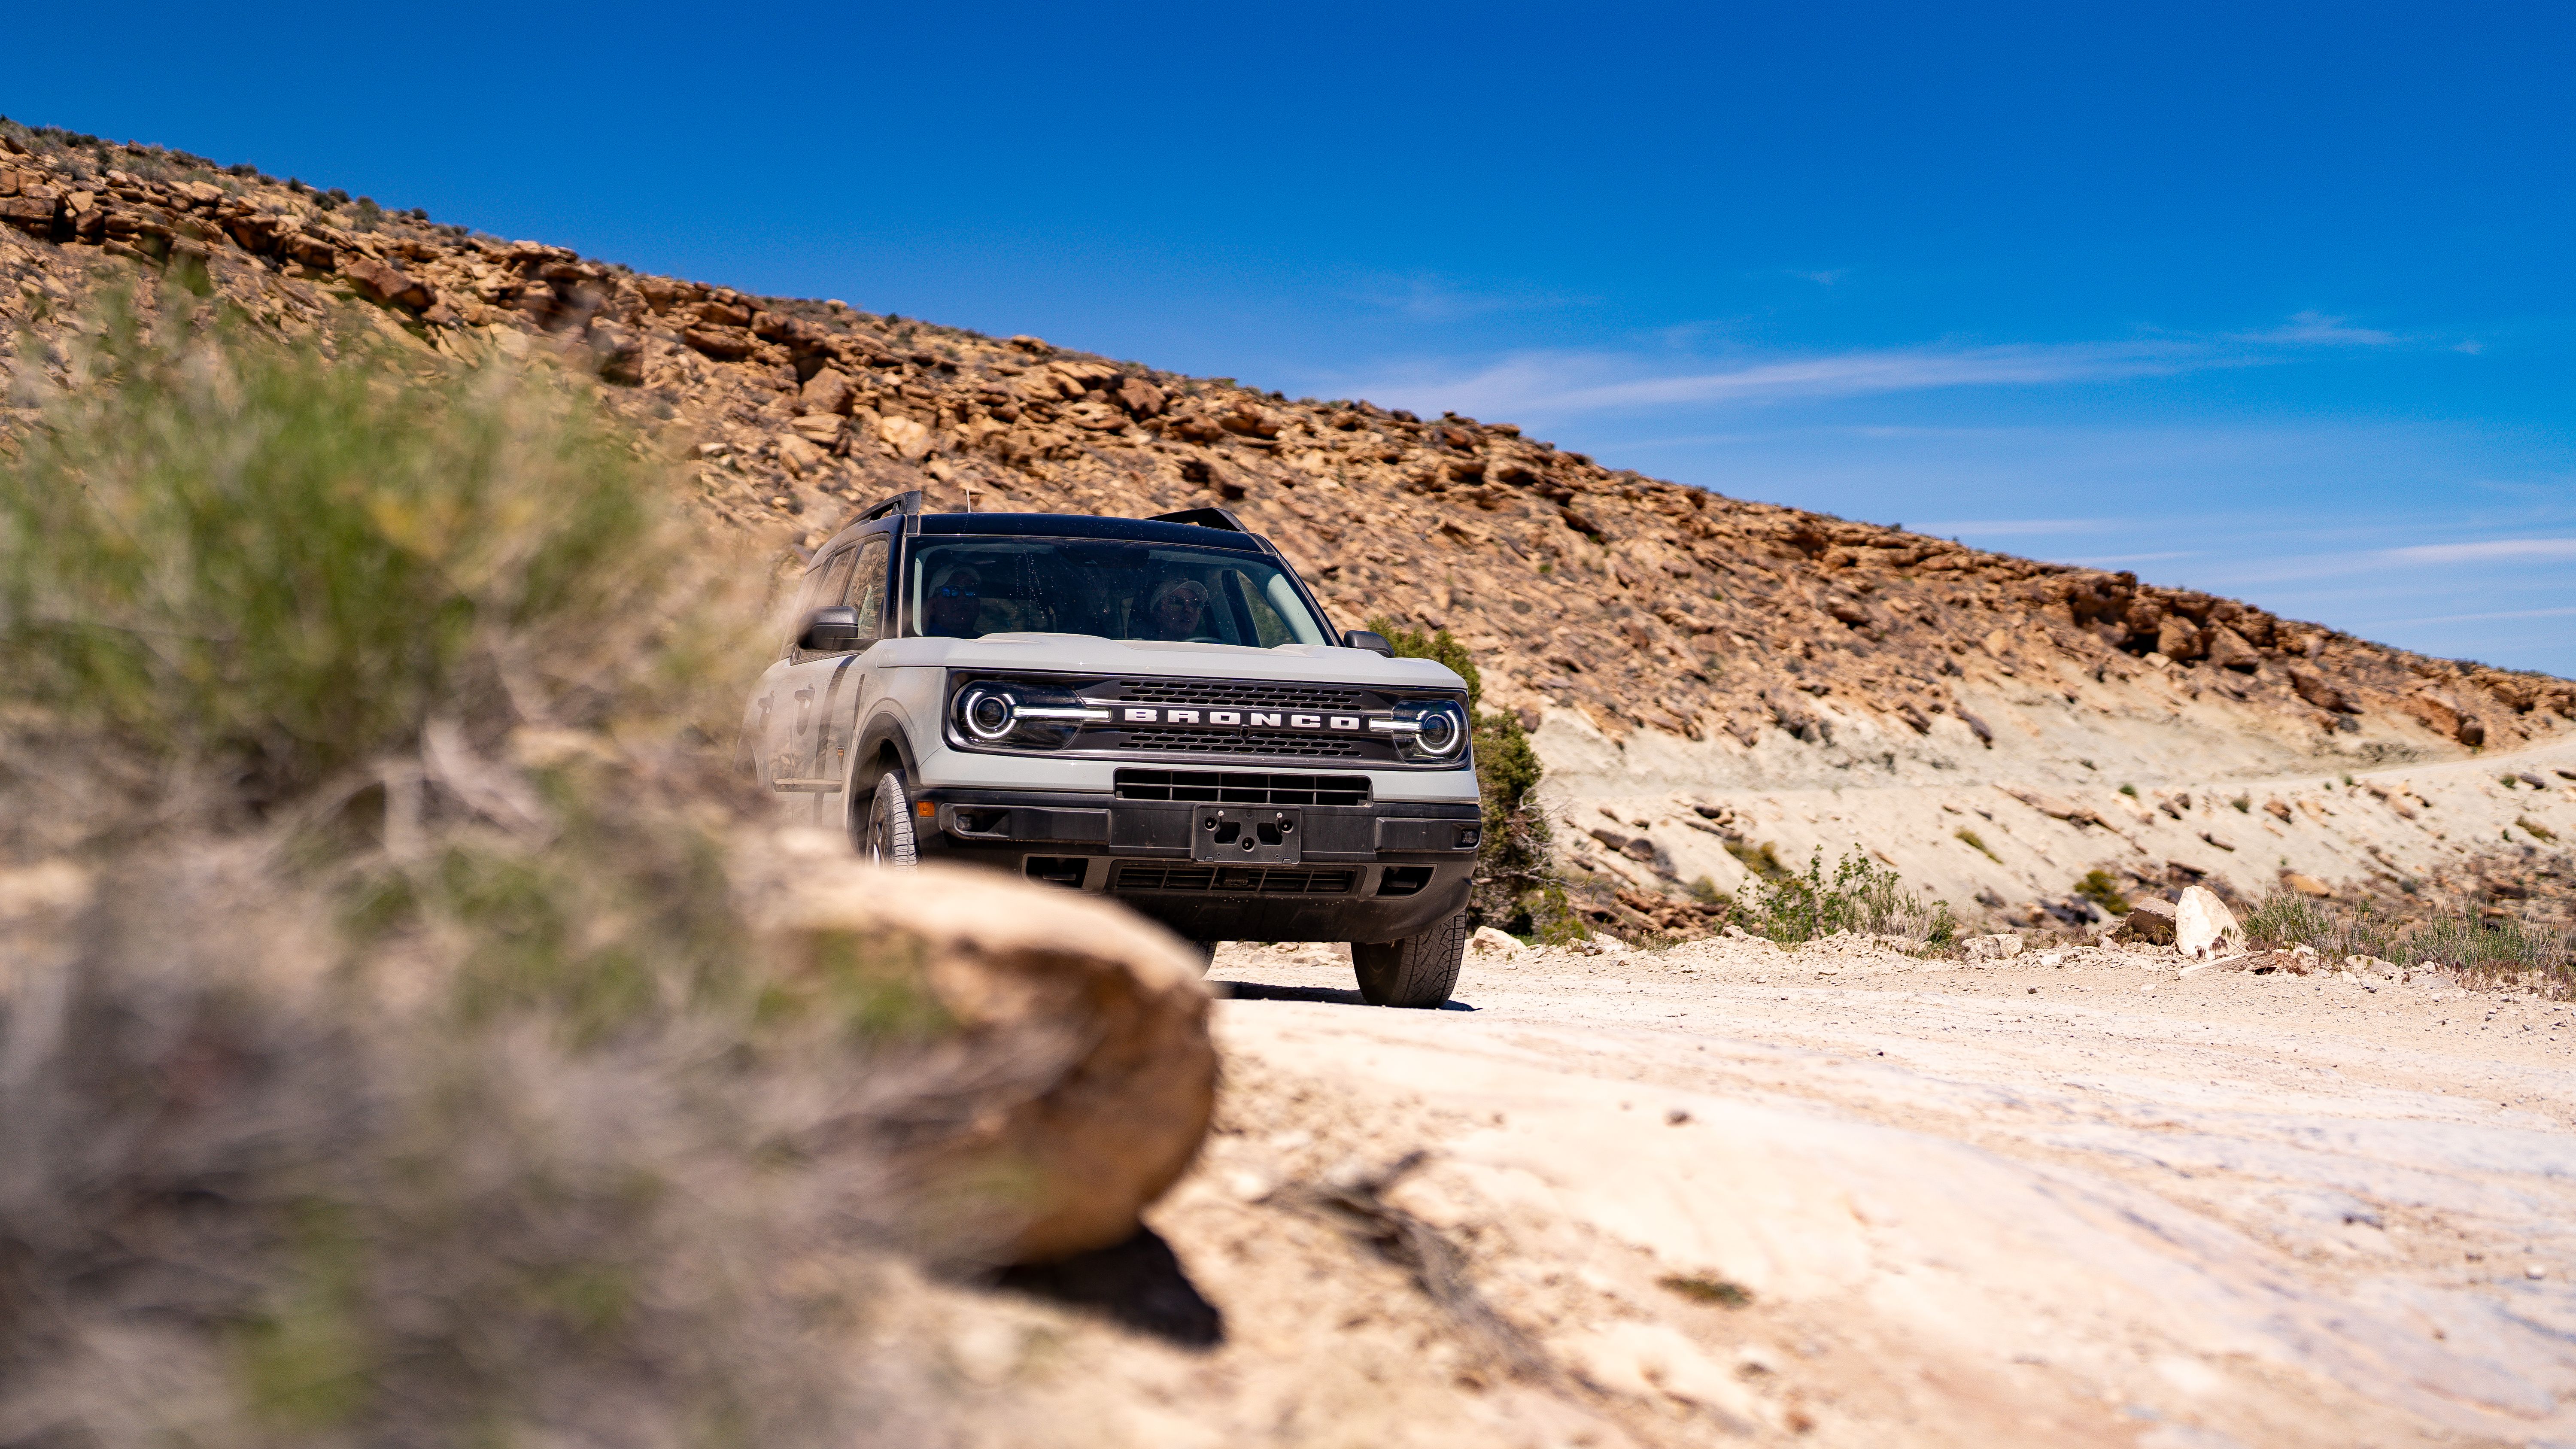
1377,872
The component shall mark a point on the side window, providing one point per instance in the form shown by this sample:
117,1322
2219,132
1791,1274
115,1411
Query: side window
867,589
824,585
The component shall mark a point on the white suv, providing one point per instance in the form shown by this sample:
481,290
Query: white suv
1156,709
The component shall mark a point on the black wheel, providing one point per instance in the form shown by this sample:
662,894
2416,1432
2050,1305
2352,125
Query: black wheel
1205,953
1416,971
888,841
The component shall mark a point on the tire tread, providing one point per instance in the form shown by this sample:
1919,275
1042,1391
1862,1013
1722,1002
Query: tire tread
1419,971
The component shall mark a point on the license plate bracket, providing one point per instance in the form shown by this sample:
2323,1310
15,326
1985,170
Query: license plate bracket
1247,834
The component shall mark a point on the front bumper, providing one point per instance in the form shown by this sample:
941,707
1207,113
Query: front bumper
1372,872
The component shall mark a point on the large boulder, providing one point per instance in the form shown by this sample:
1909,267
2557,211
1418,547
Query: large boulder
2204,929
2229,650
2442,710
1090,1074
2315,690
828,391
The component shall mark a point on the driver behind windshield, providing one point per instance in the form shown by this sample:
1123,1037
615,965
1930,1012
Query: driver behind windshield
956,604
1177,609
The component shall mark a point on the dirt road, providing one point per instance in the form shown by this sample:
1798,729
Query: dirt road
1837,1196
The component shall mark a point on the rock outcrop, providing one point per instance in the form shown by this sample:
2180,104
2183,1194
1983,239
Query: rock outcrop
1638,604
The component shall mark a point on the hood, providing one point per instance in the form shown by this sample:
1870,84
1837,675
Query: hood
1091,654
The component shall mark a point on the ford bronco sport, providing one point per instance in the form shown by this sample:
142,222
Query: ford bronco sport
1157,709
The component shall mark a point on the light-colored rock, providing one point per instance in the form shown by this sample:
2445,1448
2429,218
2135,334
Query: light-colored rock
2177,638
2228,650
1994,948
828,391
2204,929
801,457
910,438
1088,1027
388,283
820,429
1489,941
2306,885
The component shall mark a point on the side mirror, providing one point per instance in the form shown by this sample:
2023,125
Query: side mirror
834,630
1373,642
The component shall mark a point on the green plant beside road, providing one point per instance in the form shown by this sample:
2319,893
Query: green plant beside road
2479,946
1516,883
1862,897
2098,887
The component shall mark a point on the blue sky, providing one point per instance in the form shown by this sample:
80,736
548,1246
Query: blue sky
2274,301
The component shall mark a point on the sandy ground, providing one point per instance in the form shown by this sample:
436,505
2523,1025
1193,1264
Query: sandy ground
1730,1193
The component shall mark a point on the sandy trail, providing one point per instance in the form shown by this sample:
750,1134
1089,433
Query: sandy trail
2071,1199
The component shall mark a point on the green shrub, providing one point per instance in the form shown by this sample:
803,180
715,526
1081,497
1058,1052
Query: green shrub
2479,946
2098,887
1977,843
280,565
1863,897
1517,888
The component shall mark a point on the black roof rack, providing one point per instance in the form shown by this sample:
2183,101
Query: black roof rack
900,503
1204,518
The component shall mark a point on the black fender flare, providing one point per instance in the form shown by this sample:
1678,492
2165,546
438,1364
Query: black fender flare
883,734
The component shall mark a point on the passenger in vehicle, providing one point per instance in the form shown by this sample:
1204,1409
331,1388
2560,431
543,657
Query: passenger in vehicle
1177,609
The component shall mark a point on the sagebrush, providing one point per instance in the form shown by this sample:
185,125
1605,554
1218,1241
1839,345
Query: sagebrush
1862,897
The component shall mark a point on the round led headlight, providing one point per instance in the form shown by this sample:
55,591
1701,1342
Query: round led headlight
1022,714
1439,733
987,714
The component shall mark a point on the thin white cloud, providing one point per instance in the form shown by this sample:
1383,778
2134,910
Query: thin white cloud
1538,385
1554,384
1435,299
2316,329
2013,527
2494,548
2476,618
2138,558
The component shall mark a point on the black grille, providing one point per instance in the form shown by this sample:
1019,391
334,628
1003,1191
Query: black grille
1234,880
1245,742
1241,696
1213,787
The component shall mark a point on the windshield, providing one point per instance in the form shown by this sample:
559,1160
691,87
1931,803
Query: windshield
969,587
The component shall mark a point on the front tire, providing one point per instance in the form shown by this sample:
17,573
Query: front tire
889,838
1418,971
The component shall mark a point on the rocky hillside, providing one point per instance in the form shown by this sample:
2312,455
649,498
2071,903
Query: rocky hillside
1657,637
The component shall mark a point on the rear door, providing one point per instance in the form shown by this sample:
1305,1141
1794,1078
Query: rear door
786,704
821,691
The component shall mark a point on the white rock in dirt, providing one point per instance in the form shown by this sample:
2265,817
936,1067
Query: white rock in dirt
2203,926
1994,948
1487,940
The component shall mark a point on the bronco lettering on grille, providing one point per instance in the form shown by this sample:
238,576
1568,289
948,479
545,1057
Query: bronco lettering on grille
1257,719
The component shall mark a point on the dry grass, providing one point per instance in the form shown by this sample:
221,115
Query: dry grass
2481,947
401,1075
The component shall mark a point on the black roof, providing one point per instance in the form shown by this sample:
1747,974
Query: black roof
1074,525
